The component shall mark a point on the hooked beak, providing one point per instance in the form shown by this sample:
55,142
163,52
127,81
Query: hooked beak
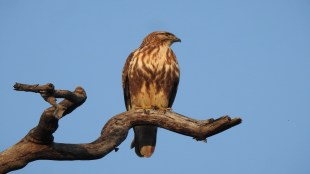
176,40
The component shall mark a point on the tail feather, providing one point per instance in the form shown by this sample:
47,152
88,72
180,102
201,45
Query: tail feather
145,140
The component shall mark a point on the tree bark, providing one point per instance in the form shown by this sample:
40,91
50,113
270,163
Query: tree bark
39,143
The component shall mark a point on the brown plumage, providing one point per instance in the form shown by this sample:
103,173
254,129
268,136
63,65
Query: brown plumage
150,79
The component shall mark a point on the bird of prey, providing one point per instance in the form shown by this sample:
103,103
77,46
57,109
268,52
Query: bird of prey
150,80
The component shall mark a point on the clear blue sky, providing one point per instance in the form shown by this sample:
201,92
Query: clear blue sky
248,59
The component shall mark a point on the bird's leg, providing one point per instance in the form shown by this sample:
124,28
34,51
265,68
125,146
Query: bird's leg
167,109
145,109
152,107
161,108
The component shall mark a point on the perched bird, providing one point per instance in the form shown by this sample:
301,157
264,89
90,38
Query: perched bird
150,80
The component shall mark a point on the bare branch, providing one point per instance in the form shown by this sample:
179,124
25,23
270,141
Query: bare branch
38,143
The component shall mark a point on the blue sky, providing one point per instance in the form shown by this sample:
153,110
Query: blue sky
247,59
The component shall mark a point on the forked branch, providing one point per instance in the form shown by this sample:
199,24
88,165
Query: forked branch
39,144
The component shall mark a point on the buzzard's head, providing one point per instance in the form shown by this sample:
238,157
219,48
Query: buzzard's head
160,37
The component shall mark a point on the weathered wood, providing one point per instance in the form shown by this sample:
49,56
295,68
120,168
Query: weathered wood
38,144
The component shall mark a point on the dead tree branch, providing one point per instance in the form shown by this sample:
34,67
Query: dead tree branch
39,143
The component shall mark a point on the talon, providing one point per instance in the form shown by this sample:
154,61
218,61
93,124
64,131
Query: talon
168,109
146,108
164,109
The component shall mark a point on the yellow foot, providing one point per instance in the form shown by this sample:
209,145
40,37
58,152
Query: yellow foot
145,108
162,108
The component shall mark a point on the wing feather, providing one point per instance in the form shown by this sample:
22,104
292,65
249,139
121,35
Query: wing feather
125,81
173,92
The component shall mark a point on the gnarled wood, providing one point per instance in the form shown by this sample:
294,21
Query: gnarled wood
38,144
